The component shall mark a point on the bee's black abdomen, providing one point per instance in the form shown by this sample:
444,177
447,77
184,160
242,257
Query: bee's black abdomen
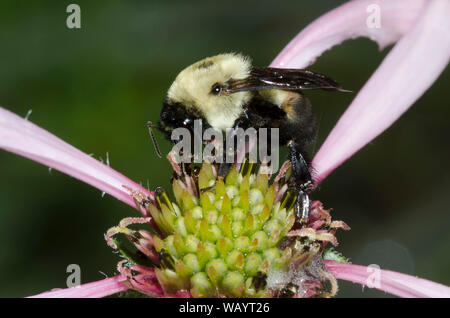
298,127
303,127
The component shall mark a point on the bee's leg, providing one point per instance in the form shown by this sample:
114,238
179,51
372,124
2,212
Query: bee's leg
302,207
303,183
229,151
224,168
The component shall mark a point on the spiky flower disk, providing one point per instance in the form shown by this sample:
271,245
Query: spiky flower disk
232,237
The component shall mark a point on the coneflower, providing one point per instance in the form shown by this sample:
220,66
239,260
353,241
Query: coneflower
215,243
232,237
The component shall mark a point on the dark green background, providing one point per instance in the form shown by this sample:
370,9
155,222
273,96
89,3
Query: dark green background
96,87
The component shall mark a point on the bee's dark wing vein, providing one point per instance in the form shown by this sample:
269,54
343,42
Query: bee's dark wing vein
291,79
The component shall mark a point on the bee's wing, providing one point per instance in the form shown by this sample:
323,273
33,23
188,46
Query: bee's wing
281,78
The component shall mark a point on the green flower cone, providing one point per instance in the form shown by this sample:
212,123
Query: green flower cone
231,237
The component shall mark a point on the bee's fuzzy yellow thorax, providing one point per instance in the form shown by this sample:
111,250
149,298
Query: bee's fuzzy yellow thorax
192,88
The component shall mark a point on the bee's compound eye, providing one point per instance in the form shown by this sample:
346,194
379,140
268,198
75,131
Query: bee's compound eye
216,89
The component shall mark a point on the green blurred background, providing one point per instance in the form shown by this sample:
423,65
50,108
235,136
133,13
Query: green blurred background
96,87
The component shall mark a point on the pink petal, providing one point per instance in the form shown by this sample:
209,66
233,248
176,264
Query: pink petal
404,75
398,284
26,139
348,21
101,288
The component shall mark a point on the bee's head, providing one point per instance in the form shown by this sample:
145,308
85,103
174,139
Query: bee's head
202,85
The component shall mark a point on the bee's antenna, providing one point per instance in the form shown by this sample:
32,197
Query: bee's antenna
152,135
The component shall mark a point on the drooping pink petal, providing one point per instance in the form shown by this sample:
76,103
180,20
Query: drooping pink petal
394,283
101,288
349,21
142,279
28,140
405,74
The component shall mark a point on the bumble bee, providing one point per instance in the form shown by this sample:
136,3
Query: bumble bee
226,91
